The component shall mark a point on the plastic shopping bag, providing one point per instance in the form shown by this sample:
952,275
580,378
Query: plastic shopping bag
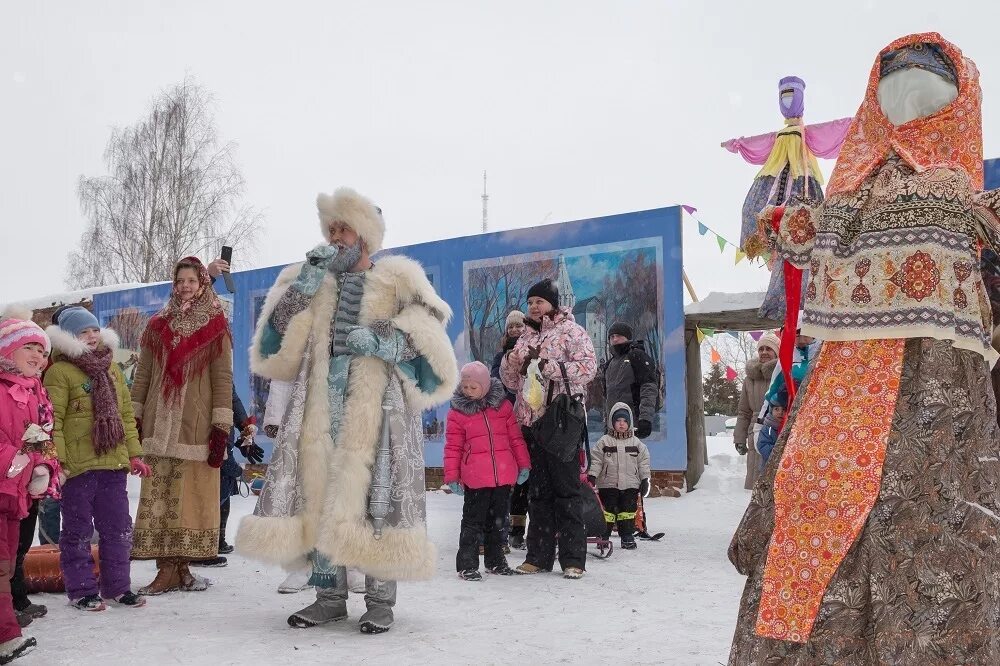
532,390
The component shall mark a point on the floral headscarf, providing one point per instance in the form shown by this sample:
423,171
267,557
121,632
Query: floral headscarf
951,138
186,337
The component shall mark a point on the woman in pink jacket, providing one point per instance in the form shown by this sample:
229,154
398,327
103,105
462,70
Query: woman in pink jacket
484,456
28,466
554,504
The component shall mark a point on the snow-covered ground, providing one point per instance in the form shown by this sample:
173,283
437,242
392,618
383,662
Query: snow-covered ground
673,602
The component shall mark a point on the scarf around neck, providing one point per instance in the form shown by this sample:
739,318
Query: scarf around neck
27,391
185,337
107,430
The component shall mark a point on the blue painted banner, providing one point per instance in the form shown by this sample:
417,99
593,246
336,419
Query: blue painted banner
623,267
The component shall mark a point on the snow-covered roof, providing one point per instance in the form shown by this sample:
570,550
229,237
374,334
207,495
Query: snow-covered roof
73,297
718,302
729,312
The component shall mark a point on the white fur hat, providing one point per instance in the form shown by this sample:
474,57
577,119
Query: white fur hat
358,212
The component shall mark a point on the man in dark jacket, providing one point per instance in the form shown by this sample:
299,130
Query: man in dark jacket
630,376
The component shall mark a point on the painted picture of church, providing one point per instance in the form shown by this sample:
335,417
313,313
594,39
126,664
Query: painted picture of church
599,284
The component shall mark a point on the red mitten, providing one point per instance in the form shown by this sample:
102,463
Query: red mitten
217,443
139,468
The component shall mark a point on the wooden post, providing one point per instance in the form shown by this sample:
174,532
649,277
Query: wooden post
697,447
690,287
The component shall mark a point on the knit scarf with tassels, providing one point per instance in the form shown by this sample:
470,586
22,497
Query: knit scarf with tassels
107,431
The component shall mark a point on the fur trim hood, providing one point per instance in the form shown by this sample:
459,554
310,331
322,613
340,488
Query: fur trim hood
358,212
68,345
493,399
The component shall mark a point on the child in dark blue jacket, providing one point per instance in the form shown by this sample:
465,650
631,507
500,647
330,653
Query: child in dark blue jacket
773,421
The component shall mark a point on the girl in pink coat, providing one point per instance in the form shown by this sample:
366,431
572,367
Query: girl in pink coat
27,465
484,456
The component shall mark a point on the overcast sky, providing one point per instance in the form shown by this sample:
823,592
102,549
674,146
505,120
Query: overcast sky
577,109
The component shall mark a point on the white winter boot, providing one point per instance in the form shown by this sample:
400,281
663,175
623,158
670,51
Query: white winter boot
296,581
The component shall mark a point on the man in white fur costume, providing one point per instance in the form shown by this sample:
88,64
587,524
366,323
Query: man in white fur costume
365,347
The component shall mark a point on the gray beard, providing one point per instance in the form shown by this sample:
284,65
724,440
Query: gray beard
346,258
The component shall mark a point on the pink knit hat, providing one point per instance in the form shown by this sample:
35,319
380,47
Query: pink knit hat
477,373
17,330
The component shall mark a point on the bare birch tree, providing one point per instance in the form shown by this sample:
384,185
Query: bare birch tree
171,190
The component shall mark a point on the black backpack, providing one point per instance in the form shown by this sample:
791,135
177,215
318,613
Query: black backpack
561,429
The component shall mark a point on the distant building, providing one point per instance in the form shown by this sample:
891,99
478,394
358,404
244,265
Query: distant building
587,315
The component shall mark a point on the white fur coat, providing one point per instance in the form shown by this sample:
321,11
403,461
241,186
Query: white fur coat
329,494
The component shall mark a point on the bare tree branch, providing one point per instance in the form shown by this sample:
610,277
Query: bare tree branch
171,191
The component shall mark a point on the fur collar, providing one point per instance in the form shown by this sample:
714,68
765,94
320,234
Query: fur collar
66,344
493,399
406,276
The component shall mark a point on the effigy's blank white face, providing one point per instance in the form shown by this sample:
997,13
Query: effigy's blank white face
787,97
913,93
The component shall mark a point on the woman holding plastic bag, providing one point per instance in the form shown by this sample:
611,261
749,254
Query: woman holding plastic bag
554,357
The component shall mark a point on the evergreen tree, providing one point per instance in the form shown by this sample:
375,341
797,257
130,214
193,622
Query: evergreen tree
722,396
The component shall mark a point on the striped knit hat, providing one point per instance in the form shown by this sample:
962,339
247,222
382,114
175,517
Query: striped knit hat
17,330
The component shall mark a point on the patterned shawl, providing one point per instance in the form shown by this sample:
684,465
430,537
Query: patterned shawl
186,337
951,138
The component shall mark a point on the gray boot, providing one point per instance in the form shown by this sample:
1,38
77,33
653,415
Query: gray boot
330,606
380,597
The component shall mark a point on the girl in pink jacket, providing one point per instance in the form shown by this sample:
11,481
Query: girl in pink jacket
484,456
27,462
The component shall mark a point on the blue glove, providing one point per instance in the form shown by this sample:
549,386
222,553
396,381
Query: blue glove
456,488
321,255
522,476
392,348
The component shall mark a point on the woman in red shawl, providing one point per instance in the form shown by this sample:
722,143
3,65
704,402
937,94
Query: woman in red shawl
872,537
183,400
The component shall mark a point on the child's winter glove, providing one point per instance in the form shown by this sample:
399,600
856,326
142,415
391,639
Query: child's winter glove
643,429
217,442
456,488
139,468
39,481
271,430
741,448
249,431
644,487
17,465
522,476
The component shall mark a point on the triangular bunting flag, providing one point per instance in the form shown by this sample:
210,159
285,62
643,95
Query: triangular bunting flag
709,332
756,335
690,210
740,255
702,229
716,356
734,334
731,374
722,243
701,336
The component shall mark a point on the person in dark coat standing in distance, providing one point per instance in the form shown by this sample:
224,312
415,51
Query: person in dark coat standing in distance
630,376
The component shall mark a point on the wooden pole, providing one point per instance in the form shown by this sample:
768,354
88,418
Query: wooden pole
690,287
697,447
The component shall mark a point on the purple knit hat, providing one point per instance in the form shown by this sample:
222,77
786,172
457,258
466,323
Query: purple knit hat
17,330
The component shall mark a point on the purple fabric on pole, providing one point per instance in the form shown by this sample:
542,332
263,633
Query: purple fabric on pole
823,139
797,105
